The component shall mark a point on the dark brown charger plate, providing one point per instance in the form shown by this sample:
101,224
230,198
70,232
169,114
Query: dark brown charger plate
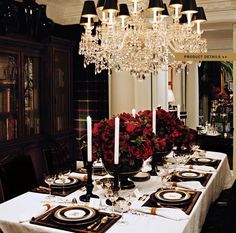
214,163
58,190
186,206
203,179
48,219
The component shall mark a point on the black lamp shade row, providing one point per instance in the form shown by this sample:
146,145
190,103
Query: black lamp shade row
100,4
200,15
123,10
156,4
174,3
89,9
110,6
189,6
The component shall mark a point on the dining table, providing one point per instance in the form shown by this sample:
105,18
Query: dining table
16,214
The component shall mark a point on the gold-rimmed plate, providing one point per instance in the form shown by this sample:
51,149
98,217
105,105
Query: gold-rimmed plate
76,214
189,175
172,196
203,160
71,181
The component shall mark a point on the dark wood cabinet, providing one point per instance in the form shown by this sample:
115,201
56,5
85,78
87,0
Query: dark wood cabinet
35,95
58,86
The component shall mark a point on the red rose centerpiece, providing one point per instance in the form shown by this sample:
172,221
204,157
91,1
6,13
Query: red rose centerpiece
135,145
170,132
137,141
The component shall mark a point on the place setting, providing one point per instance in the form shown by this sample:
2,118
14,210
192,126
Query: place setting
77,218
173,198
191,175
61,184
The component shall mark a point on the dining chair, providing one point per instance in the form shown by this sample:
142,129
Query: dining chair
57,157
17,175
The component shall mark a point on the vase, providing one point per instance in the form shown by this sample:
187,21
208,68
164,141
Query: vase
128,166
157,159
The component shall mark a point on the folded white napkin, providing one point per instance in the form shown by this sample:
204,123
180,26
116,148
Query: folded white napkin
44,208
170,213
193,185
146,166
79,176
201,168
26,217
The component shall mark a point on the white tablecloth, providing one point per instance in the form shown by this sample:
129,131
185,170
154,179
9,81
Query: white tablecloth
27,205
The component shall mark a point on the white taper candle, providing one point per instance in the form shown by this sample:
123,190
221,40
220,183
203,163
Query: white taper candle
89,138
133,112
178,111
116,146
154,121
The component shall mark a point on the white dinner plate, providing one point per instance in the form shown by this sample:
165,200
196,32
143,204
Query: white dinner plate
70,181
189,174
172,196
203,160
75,213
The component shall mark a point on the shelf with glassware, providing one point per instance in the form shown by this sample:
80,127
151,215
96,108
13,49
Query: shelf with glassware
20,67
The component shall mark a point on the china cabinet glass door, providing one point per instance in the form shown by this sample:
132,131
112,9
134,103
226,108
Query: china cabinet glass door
9,111
31,96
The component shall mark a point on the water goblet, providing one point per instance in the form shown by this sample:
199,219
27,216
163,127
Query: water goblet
163,173
63,176
123,206
49,180
112,196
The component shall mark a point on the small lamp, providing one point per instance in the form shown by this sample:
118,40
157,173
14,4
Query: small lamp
175,3
89,10
189,6
200,15
199,18
100,4
123,11
110,6
156,5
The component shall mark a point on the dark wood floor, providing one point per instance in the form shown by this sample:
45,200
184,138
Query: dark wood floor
221,217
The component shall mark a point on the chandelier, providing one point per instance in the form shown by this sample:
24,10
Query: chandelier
140,37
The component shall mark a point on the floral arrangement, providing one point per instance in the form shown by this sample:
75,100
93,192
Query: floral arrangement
136,136
133,139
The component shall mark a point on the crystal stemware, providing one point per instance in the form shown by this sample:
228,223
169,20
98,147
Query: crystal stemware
49,180
63,176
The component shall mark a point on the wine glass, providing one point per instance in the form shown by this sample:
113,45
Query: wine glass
123,205
111,196
164,174
63,176
49,180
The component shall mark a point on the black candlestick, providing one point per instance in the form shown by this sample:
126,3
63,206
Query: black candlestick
116,178
153,172
89,186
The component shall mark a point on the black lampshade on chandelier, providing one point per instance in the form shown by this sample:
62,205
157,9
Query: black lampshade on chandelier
128,39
